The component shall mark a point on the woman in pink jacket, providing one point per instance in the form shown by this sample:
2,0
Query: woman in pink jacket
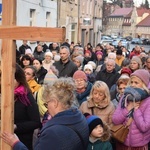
135,104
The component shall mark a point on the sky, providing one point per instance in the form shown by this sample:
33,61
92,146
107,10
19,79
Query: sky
138,2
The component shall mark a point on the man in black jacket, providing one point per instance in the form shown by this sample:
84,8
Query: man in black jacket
23,47
65,66
109,75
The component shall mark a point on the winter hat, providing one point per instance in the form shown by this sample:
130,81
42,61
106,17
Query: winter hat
49,77
88,66
126,70
87,51
143,74
28,51
99,53
119,52
49,54
93,64
56,57
93,121
79,75
80,59
138,60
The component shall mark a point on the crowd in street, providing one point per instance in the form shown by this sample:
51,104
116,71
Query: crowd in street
68,97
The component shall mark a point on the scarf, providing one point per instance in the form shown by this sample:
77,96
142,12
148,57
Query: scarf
21,95
133,95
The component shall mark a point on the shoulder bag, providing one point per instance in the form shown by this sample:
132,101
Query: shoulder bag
120,132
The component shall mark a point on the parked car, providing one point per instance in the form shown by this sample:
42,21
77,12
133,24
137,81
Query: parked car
146,41
124,42
106,40
128,38
137,41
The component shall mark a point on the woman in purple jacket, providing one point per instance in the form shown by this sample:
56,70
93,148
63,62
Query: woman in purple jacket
135,104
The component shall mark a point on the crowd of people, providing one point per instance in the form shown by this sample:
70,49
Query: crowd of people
67,97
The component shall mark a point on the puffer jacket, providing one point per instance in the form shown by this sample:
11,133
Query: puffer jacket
139,129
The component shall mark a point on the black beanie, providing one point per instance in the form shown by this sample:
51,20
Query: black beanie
93,121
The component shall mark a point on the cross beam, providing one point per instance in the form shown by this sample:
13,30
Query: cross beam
9,32
33,33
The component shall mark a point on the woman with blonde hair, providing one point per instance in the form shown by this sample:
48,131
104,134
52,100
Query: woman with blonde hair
99,103
135,106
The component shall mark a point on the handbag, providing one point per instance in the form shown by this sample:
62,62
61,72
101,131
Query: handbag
120,132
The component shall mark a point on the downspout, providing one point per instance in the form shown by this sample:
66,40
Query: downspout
78,21
57,12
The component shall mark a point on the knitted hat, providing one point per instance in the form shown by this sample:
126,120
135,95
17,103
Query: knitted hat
80,59
49,54
126,70
119,52
138,60
93,64
49,77
87,51
93,121
88,66
79,75
56,57
143,74
99,53
28,51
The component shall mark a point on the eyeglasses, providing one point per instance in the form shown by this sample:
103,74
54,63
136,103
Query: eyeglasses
79,81
27,73
46,105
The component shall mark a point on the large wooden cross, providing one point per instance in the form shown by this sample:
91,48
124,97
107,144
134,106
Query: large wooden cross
9,32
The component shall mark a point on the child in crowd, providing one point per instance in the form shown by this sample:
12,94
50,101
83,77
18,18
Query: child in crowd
88,69
99,134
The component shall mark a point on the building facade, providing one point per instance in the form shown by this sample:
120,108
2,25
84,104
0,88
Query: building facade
90,21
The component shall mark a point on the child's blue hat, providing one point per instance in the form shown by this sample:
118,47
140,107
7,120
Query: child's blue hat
93,121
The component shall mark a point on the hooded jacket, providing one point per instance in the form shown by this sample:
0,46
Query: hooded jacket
101,143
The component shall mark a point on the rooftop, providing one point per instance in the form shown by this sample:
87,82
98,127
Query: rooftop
121,12
145,22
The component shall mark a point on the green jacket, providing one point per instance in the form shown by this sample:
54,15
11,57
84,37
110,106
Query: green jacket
99,145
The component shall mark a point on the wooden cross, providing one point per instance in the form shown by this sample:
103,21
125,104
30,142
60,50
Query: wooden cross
9,32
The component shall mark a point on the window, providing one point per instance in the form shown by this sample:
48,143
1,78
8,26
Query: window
32,17
73,35
48,15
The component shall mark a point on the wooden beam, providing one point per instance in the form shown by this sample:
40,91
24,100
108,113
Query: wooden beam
33,33
8,53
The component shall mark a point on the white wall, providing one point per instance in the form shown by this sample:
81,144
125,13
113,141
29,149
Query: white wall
41,7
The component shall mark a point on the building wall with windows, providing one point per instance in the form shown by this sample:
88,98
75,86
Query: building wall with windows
40,13
68,18
90,21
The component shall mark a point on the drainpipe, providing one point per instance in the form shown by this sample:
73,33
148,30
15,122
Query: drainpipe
58,10
78,21
94,24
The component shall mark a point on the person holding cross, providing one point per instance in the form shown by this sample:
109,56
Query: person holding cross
67,129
